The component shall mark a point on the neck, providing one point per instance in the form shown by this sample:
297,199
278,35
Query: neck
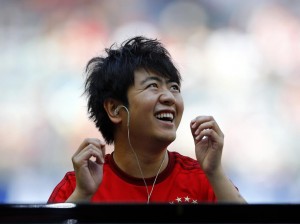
149,162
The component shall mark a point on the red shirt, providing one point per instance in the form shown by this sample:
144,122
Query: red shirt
183,181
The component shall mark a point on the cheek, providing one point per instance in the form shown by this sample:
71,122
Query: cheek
143,106
147,103
180,109
180,105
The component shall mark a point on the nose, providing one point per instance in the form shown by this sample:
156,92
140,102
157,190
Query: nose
167,97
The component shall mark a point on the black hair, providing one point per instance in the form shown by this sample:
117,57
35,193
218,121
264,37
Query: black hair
110,76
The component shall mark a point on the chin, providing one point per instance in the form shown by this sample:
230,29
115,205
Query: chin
168,139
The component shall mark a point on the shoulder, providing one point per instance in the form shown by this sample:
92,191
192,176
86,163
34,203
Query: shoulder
64,188
189,175
184,162
70,176
68,179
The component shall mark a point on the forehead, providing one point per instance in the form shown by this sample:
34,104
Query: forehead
142,75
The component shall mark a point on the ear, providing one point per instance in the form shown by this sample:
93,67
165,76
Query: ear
110,106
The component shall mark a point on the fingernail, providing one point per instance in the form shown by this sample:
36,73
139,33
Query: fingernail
204,138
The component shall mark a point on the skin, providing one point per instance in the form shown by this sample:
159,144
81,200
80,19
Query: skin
150,137
150,95
209,141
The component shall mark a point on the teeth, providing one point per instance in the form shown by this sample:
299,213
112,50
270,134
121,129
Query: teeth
165,115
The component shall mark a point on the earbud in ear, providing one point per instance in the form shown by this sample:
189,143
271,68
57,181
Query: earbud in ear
116,111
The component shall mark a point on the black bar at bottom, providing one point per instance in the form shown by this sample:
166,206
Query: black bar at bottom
152,213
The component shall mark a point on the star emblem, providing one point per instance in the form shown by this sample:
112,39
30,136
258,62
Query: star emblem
184,199
178,199
187,199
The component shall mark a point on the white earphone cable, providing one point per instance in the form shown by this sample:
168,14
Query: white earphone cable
136,157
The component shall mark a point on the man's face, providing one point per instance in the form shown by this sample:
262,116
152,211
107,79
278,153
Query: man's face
156,107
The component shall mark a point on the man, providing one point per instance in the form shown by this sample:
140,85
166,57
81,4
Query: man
135,101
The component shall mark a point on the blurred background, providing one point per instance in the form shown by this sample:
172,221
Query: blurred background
240,62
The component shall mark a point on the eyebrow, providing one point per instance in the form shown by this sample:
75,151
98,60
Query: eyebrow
159,79
151,78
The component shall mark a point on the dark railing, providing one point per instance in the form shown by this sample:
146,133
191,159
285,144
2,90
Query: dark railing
152,213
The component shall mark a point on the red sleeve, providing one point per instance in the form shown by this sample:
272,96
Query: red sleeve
64,189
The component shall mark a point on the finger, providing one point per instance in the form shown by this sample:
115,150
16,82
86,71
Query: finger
209,125
196,123
88,141
203,134
199,119
88,152
103,150
207,134
205,122
203,139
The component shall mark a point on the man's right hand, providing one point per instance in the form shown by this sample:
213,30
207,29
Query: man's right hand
88,163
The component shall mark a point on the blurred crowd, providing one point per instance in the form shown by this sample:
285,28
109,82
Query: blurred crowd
240,62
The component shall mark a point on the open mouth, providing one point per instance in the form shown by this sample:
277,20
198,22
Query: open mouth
165,117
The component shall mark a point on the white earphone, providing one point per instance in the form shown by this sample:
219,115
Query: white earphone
116,111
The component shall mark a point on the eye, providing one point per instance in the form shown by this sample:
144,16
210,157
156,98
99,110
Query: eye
152,85
175,87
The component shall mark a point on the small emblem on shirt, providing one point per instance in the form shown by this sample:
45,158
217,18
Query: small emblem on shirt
182,200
